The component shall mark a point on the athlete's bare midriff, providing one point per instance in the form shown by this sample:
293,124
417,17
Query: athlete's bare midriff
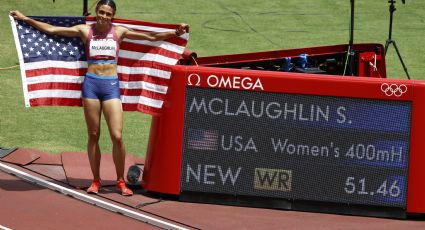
105,69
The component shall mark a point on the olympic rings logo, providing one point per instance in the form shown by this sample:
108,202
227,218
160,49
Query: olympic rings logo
393,89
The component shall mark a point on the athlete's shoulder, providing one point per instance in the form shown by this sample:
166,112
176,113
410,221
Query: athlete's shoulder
120,30
82,27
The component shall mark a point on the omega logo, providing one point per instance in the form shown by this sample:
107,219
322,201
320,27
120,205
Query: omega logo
393,89
194,79
232,82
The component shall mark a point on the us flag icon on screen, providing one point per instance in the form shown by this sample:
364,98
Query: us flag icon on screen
202,139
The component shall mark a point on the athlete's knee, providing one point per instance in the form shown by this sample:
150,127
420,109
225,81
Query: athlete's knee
93,135
117,137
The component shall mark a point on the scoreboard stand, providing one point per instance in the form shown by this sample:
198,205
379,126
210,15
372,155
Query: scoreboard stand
295,205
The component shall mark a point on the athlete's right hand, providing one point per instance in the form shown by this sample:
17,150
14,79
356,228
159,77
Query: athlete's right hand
17,15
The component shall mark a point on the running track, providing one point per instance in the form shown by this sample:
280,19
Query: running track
24,205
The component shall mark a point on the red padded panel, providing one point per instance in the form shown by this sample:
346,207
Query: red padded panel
22,156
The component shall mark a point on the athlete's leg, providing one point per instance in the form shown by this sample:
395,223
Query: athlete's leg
112,109
92,113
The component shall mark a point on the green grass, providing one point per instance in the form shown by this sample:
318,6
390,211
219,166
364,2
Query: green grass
217,27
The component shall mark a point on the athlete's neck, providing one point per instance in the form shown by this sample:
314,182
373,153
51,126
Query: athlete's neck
102,27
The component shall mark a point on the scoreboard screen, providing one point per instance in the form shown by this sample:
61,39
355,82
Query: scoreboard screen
296,147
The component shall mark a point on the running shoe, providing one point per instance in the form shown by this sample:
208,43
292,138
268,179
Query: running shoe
94,187
125,191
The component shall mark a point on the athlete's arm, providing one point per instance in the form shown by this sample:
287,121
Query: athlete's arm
153,36
74,31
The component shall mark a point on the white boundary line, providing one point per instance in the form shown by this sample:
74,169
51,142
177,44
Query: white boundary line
4,228
89,199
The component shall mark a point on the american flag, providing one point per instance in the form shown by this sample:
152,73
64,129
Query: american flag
53,67
202,139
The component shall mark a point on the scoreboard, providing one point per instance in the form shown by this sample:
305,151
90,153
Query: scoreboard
294,146
290,137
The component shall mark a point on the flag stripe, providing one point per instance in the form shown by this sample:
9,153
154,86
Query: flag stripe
172,44
149,49
146,57
144,78
56,101
55,71
55,64
147,64
55,93
145,93
53,67
54,78
144,70
142,100
54,86
141,107
142,85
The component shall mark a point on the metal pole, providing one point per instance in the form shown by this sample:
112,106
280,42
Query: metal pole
85,8
390,39
351,42
349,59
392,9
